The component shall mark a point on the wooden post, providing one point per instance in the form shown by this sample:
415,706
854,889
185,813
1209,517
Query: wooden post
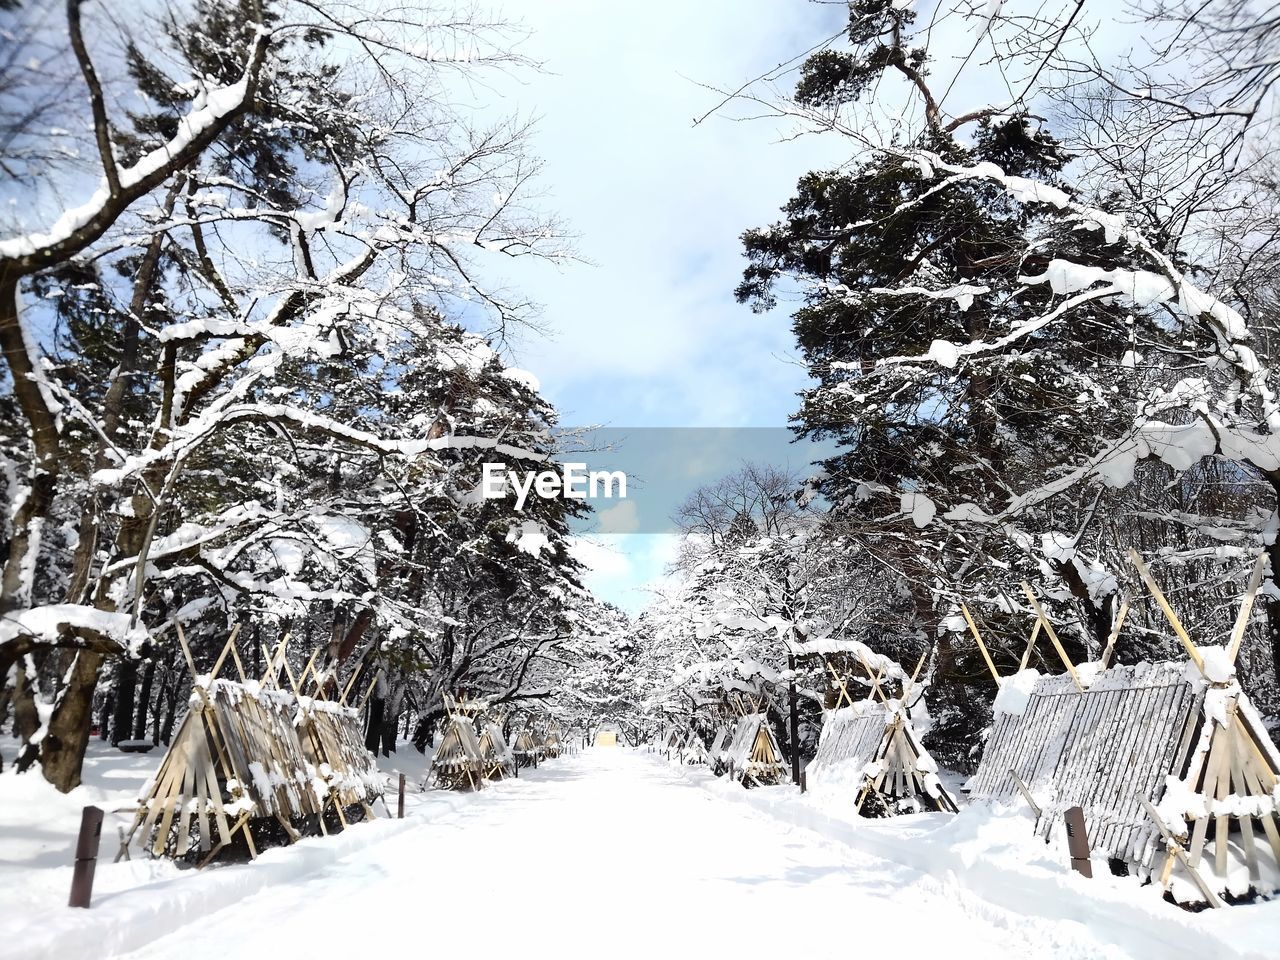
1078,842
86,857
400,801
804,780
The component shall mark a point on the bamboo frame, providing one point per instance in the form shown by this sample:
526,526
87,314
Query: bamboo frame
973,628
1053,634
1205,735
227,732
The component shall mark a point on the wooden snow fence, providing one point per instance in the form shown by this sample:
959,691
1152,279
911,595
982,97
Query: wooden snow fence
1165,758
695,751
551,745
525,749
754,753
499,762
244,756
872,748
333,741
458,763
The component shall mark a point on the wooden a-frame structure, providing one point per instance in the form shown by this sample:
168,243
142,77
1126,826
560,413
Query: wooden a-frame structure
525,749
551,745
718,756
238,761
872,747
1166,760
499,761
754,756
458,763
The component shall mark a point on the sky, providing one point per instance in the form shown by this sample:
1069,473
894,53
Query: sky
647,334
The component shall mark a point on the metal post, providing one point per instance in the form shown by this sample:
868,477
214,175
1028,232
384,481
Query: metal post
1078,842
400,802
86,857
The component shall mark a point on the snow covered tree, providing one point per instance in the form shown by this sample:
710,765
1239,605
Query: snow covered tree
200,354
982,335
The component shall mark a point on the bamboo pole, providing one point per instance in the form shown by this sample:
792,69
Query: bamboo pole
1174,622
1026,654
973,628
1053,635
875,681
1246,607
1115,632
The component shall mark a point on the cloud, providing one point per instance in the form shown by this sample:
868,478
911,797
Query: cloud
624,518
623,569
603,560
650,333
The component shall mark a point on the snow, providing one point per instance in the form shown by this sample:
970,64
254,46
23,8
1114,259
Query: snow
217,104
944,353
522,377
1218,666
529,537
606,840
47,621
1015,692
921,509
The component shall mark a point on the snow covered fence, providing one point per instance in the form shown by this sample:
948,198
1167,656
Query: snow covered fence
754,756
870,749
1163,733
246,755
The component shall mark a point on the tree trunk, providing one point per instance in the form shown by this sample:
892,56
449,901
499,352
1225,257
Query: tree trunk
104,718
389,724
61,752
26,719
171,713
373,729
1272,606
794,726
144,700
126,690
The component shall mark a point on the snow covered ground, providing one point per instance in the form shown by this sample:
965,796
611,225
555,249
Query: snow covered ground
612,852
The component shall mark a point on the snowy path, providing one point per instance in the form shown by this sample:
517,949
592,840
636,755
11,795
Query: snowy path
612,853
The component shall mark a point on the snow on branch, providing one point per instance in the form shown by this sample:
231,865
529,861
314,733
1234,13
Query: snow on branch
81,225
46,624
1164,285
